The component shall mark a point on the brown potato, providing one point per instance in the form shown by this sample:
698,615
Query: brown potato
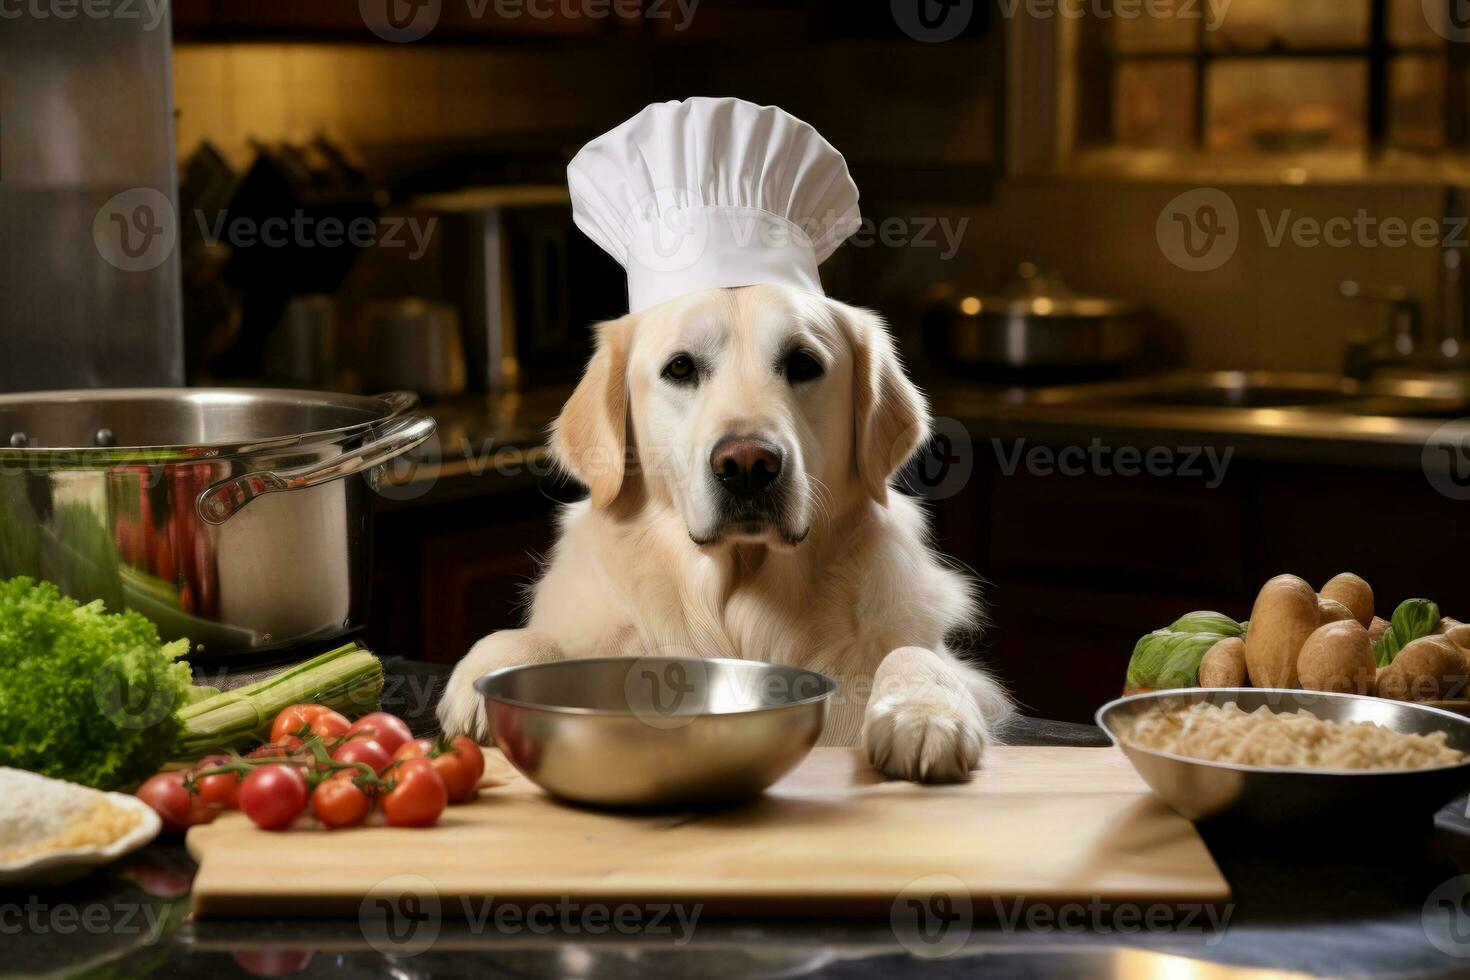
1353,592
1338,657
1429,669
1445,625
1223,664
1332,611
1284,615
1459,635
1377,628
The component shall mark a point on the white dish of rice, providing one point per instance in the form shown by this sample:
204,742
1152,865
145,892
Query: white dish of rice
1285,740
52,831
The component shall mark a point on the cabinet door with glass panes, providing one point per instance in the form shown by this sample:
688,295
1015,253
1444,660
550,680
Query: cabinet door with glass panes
1344,84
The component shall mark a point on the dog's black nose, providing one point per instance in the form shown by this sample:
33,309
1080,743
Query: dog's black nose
744,466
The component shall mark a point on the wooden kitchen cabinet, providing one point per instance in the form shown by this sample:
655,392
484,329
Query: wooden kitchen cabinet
1145,532
1065,648
1390,526
479,581
447,574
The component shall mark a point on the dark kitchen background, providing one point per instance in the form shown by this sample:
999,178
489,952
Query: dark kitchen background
1093,233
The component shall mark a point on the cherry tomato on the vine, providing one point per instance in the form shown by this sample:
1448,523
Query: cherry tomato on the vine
166,794
363,750
340,802
273,796
418,795
291,720
387,730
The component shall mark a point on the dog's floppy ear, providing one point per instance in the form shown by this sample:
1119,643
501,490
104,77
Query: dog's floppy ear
890,415
590,437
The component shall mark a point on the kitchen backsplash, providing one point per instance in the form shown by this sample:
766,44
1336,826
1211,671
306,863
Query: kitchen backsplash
931,107
365,94
1274,304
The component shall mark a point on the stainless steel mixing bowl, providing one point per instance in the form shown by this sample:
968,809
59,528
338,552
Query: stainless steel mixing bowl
1275,796
655,731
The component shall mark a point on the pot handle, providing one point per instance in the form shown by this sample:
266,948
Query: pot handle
399,402
384,442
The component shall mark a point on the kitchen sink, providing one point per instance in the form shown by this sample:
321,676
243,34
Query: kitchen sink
1399,408
1418,398
1244,396
1415,397
1213,389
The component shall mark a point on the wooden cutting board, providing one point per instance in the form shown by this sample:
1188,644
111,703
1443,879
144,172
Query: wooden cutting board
1044,825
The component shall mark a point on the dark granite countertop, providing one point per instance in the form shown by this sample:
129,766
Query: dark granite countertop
1356,903
495,444
1272,435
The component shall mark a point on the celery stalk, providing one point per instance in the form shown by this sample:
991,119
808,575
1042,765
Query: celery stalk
347,679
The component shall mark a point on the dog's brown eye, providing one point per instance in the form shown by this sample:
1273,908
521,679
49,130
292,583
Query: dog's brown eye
802,366
680,369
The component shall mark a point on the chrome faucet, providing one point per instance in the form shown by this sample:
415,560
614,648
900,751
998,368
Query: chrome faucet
1367,352
1407,344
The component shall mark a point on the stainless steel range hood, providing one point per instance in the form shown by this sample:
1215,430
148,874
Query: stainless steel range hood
89,272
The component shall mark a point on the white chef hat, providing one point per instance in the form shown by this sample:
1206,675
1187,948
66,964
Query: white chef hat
707,193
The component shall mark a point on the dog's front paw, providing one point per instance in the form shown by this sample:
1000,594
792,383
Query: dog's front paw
462,709
927,737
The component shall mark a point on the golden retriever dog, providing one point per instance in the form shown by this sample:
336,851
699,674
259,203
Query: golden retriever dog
738,445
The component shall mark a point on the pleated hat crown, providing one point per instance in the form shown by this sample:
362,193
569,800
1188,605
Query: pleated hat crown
710,193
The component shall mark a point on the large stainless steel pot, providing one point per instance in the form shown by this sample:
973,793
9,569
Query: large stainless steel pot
1037,324
238,518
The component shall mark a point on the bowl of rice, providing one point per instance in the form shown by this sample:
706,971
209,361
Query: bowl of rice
1274,757
52,831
